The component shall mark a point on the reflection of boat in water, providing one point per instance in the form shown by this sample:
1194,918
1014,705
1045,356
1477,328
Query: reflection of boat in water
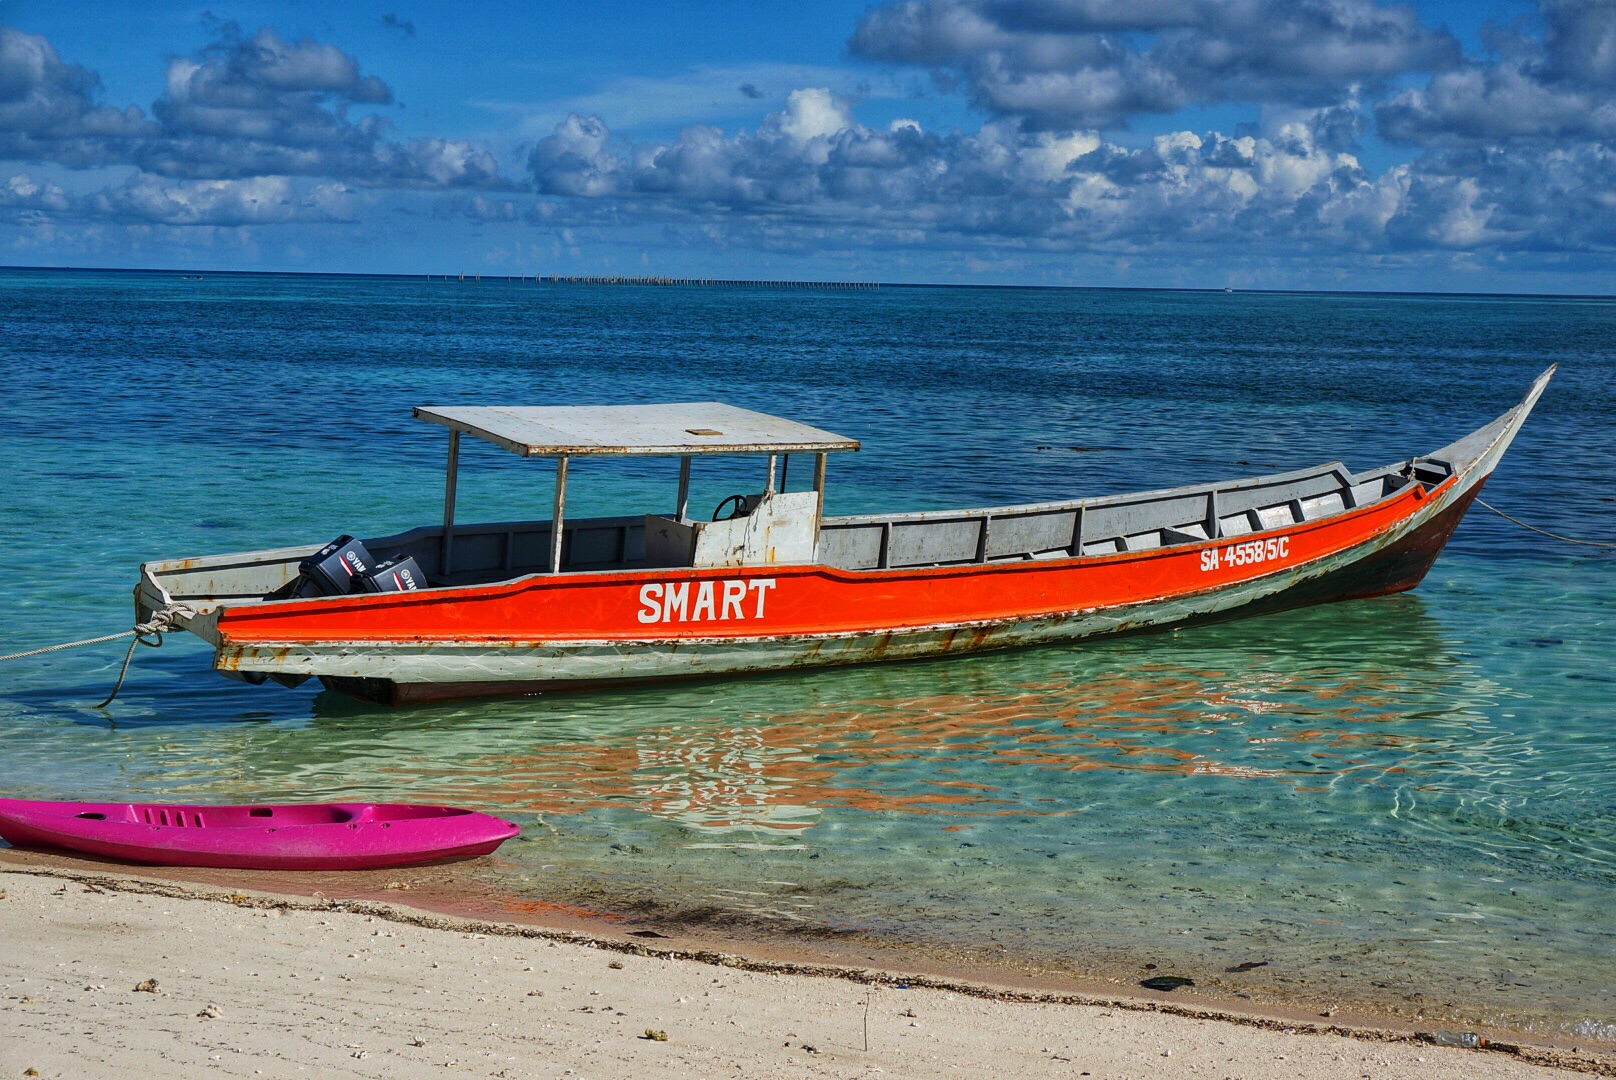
1375,686
771,584
1351,690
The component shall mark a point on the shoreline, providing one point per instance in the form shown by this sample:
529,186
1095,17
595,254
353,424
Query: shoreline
457,891
866,972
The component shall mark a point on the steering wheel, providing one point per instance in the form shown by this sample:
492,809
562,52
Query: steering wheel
739,511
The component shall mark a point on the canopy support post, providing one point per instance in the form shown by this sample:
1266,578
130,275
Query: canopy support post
683,505
556,527
819,485
768,488
452,474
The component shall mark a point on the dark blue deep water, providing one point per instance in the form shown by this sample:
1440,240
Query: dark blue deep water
1407,802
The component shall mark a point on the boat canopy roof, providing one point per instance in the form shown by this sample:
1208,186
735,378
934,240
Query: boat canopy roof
673,429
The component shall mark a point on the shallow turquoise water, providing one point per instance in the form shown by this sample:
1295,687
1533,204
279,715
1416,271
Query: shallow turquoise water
1409,801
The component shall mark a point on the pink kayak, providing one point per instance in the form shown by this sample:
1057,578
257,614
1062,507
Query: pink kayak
321,836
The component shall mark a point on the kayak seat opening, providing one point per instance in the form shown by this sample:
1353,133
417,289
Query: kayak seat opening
410,813
303,815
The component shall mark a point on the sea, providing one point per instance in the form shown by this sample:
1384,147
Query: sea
1405,805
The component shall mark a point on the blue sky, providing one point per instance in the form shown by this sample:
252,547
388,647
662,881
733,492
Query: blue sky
1247,143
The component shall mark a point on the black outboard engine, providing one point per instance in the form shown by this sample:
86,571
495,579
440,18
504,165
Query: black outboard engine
331,570
343,568
395,575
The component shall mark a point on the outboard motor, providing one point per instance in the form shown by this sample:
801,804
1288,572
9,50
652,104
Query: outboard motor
343,568
331,570
395,575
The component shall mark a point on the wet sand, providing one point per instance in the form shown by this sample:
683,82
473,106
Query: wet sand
469,891
325,984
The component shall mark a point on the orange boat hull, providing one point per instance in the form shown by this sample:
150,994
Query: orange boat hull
601,629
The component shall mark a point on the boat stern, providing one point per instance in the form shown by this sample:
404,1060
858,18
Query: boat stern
191,594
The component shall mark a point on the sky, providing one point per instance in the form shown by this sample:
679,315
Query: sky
1287,144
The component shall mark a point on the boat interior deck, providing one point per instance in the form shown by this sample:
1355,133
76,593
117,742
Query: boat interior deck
1105,526
503,551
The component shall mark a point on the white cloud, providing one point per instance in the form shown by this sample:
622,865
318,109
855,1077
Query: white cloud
1097,63
244,107
1540,90
811,114
702,94
270,200
23,192
813,167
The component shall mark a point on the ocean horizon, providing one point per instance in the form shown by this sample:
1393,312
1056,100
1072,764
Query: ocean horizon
675,280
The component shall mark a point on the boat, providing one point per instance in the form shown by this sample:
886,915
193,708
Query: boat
317,836
767,582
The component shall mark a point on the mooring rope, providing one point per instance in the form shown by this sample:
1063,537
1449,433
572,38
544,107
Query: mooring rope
66,645
160,622
140,639
1545,532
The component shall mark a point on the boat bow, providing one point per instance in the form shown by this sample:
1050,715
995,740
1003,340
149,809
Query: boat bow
1473,457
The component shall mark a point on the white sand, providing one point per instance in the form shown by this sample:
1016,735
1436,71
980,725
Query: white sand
329,993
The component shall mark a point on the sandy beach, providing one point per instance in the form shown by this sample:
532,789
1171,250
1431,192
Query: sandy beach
111,974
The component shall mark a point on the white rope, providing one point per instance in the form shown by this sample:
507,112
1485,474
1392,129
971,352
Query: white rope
158,624
155,627
66,645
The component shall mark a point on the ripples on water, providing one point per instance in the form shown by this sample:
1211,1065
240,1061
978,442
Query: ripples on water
1408,801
